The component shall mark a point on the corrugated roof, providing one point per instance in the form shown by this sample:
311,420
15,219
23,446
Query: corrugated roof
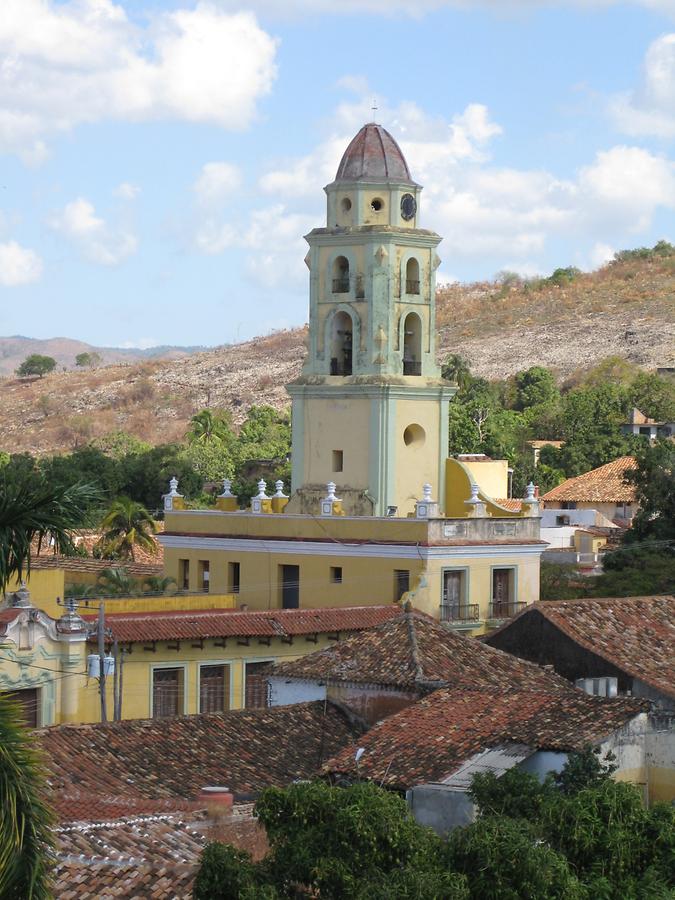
603,485
214,623
431,739
414,650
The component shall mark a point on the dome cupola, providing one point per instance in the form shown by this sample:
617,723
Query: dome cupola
373,155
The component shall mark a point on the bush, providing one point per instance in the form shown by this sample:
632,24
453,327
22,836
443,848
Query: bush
503,858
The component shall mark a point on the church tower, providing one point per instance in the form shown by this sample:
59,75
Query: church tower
370,410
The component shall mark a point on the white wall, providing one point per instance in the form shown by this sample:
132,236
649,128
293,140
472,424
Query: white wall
283,692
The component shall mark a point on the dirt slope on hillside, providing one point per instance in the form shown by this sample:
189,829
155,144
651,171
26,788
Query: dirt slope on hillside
626,309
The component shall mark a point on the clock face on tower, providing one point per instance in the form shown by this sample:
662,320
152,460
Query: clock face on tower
408,207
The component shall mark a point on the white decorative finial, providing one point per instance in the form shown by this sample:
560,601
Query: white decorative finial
279,485
173,487
530,492
474,492
330,487
426,492
262,486
227,488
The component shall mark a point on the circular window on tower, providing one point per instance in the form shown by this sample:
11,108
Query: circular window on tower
376,204
346,204
414,436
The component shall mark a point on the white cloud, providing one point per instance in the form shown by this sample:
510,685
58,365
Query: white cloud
216,181
432,142
18,265
97,241
508,216
126,191
650,109
629,183
601,254
84,61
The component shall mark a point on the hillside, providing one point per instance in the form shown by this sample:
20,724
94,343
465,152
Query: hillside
13,351
625,309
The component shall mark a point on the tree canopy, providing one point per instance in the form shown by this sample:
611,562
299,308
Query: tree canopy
577,836
36,364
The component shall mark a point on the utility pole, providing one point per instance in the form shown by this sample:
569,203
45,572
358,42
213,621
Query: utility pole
101,657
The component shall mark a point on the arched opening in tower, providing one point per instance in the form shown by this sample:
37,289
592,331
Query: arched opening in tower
341,344
412,277
412,345
341,275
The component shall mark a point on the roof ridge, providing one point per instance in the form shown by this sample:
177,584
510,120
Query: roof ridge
414,647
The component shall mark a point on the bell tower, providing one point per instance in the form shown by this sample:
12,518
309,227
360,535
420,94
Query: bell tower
370,409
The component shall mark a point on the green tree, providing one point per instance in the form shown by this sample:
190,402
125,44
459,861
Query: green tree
654,480
502,859
36,364
516,794
535,386
456,368
127,525
87,360
26,837
159,584
32,509
116,582
266,434
226,873
206,427
353,843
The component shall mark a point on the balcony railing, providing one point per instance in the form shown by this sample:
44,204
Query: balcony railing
504,609
412,367
460,613
341,285
412,287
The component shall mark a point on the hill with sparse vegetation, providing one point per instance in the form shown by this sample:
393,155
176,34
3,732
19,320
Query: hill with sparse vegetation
566,322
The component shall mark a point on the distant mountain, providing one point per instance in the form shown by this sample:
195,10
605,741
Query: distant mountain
14,349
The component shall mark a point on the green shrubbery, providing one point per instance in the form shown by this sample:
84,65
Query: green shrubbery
577,836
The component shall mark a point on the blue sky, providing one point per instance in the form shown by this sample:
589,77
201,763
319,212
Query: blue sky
161,159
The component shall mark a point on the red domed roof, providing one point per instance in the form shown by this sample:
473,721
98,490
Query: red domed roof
373,155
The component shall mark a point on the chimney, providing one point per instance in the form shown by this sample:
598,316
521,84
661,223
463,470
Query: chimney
217,799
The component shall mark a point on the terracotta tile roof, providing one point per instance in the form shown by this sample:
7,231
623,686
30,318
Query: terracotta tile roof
159,765
212,623
431,739
512,503
7,616
414,650
635,634
603,485
94,566
147,856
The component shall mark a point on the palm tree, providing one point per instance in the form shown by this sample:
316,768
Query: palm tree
456,368
25,825
31,509
158,584
127,525
116,582
206,427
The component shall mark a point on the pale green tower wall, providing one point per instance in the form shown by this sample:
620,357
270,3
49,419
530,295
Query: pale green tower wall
386,421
